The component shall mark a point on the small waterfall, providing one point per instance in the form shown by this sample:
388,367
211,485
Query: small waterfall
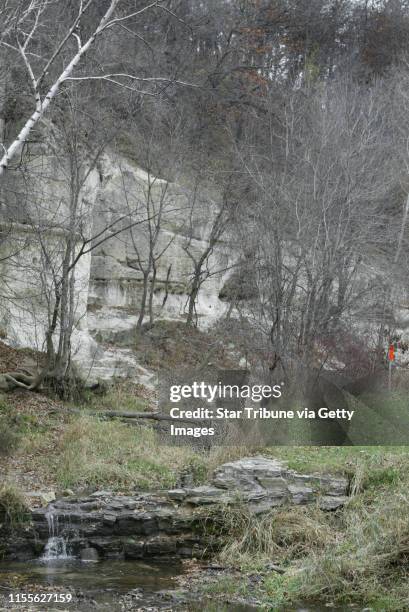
57,546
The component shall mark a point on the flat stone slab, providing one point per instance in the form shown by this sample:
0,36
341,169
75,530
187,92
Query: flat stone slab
265,483
103,525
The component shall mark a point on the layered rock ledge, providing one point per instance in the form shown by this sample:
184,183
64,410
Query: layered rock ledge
170,523
263,484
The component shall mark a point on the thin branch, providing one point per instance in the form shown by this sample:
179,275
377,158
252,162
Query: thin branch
110,77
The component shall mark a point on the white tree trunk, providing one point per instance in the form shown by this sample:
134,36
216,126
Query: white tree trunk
22,137
3,93
402,230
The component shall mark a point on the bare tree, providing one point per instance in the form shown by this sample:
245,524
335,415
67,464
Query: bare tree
204,266
147,247
62,236
21,31
317,219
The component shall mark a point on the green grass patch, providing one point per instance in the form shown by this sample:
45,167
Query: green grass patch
357,556
13,509
121,396
374,465
227,585
98,453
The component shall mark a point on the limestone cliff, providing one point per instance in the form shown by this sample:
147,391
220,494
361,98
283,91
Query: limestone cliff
116,202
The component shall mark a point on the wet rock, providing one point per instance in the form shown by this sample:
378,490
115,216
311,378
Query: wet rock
140,526
109,518
89,554
134,549
90,506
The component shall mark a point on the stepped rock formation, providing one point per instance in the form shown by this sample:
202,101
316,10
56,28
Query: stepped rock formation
170,523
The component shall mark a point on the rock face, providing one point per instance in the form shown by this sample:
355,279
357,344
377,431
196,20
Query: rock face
116,200
116,275
120,527
263,484
171,524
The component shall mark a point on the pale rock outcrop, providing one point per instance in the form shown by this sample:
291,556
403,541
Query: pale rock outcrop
108,288
263,484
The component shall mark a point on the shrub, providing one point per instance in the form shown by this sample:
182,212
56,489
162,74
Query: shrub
13,509
9,436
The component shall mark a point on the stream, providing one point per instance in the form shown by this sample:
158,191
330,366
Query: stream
106,584
103,583
109,584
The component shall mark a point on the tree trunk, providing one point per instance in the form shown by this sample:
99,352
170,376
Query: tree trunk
43,105
143,300
3,95
151,294
192,299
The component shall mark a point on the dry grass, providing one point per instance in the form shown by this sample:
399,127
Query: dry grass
97,453
13,508
278,536
57,450
127,456
369,564
358,557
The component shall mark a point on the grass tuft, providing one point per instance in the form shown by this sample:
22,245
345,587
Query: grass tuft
358,556
13,509
281,535
99,453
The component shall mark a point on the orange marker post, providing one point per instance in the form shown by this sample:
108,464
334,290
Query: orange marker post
391,358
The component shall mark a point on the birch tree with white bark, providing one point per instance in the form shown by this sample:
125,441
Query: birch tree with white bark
61,61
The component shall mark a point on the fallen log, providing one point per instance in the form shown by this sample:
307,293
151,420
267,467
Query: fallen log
275,568
112,414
